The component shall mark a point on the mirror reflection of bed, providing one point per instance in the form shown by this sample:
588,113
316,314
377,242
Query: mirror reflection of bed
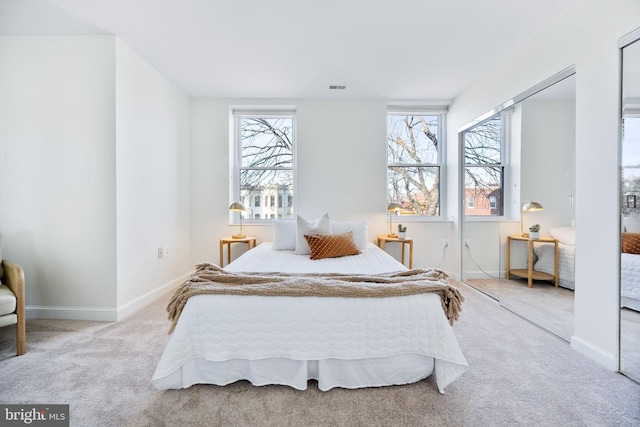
537,145
630,208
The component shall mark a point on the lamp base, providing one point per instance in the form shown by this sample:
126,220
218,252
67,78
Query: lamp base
238,236
394,236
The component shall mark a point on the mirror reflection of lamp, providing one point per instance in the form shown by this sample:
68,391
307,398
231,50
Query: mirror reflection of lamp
238,207
393,208
529,206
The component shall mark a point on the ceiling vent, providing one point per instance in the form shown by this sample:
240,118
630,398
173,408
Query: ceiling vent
337,87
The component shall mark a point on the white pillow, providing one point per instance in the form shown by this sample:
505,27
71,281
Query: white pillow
566,235
284,234
358,228
633,223
546,254
314,226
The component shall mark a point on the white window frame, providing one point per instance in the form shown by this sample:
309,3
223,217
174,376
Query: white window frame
420,110
236,113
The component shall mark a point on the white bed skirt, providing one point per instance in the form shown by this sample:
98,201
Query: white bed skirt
330,373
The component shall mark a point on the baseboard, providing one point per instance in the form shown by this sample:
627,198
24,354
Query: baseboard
101,314
98,314
126,310
595,353
477,274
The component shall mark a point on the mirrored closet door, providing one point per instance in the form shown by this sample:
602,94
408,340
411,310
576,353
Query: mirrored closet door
518,165
630,207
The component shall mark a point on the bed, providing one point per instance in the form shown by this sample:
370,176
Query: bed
566,237
339,342
630,263
630,281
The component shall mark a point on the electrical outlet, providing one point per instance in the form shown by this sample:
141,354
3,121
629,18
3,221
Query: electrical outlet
445,243
166,251
160,253
466,243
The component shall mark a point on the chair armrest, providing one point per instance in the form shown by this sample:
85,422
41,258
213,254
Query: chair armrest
14,279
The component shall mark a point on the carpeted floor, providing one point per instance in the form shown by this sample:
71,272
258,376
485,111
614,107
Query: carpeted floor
543,303
518,375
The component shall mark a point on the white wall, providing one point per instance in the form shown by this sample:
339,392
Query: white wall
576,39
94,175
341,169
548,161
152,175
57,132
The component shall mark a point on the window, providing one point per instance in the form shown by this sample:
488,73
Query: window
414,162
484,166
470,202
263,161
631,161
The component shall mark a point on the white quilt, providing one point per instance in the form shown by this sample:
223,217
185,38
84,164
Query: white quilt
566,262
630,280
340,342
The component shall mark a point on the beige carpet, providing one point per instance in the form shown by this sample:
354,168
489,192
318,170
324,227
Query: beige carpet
630,342
543,304
518,375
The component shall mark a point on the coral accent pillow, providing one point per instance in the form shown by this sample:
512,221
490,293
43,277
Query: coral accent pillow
332,245
631,243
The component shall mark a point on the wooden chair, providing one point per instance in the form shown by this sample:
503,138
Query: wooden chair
12,312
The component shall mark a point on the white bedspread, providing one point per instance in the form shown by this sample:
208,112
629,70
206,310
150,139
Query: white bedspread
566,262
630,280
341,342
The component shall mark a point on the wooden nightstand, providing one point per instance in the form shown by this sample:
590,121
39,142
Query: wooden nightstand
529,273
228,240
384,238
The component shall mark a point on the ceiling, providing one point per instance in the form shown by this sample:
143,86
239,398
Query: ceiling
396,50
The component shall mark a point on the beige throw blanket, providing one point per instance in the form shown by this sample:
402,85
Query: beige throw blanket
211,279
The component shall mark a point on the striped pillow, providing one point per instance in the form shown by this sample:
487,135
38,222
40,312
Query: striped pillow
332,245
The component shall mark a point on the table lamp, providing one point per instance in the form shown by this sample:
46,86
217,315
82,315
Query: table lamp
392,209
238,207
529,206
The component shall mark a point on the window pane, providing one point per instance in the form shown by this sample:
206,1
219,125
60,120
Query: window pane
630,188
484,185
266,142
631,141
412,139
255,184
483,143
417,189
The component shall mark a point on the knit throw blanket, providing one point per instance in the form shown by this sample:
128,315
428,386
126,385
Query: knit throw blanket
211,279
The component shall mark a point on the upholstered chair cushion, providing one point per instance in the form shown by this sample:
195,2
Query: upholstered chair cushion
7,301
